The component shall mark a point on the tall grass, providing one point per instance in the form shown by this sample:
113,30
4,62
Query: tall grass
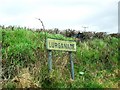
97,58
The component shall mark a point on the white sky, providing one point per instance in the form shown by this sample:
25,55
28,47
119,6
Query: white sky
97,15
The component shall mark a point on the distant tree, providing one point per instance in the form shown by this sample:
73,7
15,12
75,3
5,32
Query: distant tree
56,30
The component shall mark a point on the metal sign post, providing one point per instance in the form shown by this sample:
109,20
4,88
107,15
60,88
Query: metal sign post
53,44
71,65
50,60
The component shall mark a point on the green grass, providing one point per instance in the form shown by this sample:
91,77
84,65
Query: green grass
0,35
97,58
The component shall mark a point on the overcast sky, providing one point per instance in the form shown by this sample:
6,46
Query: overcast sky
97,15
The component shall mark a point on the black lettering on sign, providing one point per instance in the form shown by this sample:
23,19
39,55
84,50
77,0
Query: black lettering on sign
72,46
61,45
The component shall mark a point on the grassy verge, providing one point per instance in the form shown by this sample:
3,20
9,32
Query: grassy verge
24,54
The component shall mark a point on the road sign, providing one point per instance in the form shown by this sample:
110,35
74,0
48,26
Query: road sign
53,44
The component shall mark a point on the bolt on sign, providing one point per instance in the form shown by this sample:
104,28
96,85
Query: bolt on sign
53,44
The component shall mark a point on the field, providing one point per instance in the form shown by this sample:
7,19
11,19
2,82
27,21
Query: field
25,61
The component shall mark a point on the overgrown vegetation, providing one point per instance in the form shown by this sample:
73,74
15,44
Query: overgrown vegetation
24,54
